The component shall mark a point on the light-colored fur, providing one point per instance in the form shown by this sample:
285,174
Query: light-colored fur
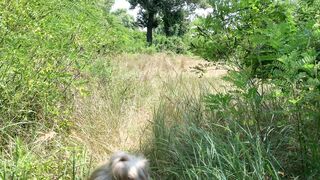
122,166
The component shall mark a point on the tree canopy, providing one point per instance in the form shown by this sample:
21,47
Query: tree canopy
173,14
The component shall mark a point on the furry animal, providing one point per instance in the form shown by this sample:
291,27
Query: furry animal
123,166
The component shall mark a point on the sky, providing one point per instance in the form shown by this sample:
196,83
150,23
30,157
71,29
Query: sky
123,4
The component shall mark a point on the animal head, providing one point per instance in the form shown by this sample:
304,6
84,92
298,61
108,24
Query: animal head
129,167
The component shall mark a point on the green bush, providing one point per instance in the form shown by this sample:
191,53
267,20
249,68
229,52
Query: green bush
274,46
122,39
173,44
257,35
44,46
49,49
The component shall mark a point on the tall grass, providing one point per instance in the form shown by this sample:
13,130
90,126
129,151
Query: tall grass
109,114
247,132
192,142
104,111
116,110
43,160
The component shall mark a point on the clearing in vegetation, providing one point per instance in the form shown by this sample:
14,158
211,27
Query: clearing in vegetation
117,114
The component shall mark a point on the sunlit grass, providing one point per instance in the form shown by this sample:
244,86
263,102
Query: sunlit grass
189,142
113,112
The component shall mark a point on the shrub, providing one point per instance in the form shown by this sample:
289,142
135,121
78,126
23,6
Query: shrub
173,44
44,45
275,48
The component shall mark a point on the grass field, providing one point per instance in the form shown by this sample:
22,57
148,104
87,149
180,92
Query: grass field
114,112
116,115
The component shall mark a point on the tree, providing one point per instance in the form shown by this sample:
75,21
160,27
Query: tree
147,14
173,13
173,18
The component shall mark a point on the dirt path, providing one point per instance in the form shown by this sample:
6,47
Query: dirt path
116,116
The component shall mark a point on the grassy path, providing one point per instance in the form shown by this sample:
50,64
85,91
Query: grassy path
118,113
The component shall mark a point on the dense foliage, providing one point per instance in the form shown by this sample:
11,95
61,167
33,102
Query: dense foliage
275,48
44,46
175,15
171,14
47,50
36,62
173,44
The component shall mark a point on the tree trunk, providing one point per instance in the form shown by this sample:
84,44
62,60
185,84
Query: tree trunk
166,26
149,28
167,22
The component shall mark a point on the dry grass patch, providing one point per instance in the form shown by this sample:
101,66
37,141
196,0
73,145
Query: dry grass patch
116,114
